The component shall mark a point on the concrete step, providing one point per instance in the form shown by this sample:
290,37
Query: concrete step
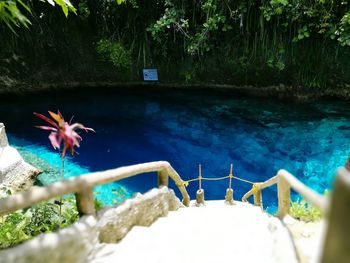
213,233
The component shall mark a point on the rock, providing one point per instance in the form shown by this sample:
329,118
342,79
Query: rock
14,171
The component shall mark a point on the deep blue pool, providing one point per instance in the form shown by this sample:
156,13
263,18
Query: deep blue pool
186,128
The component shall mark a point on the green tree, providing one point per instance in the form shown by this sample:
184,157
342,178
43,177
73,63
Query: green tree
14,12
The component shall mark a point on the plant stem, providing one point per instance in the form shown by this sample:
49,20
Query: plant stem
62,168
62,178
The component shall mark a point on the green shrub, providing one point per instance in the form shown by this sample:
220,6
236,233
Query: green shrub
304,211
115,53
42,218
12,230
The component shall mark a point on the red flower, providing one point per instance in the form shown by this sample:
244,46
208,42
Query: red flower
62,131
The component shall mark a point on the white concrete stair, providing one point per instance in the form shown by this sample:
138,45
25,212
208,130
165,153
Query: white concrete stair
213,233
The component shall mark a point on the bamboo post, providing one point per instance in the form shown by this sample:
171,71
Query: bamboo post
283,193
85,202
200,192
257,197
337,242
162,178
229,191
229,197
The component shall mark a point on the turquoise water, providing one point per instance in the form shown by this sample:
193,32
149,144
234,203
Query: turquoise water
187,128
49,163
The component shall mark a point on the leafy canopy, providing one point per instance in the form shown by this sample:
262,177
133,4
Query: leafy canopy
13,13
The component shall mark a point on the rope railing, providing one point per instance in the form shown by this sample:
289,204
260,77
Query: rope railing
284,181
218,179
82,187
229,190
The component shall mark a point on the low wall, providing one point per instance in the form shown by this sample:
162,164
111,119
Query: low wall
80,242
72,245
142,210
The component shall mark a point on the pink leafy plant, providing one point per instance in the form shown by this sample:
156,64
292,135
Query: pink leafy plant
62,131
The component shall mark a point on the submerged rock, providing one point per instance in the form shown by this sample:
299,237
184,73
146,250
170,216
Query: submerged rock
14,171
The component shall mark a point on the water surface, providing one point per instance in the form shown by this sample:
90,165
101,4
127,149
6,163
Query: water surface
259,136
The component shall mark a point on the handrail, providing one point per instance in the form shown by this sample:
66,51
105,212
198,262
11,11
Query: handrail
285,181
336,238
82,186
3,137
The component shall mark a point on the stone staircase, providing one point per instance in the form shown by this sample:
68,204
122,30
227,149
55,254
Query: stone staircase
156,227
215,232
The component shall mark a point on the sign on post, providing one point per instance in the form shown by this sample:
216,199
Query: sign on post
150,74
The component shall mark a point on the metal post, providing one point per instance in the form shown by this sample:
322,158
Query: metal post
200,192
229,191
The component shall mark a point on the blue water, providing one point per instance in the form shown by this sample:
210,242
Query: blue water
258,136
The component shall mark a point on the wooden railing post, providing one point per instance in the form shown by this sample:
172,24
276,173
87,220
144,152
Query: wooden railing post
200,191
163,178
257,197
337,242
85,202
283,193
229,190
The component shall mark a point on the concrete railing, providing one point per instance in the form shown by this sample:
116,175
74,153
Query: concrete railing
285,181
3,137
336,241
82,186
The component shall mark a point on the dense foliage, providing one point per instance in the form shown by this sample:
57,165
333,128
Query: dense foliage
295,42
42,218
45,217
12,15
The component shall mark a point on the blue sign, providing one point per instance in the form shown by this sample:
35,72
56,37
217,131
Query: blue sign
150,74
